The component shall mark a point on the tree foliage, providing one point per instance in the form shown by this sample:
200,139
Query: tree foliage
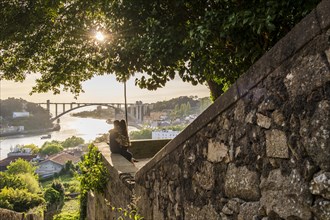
19,200
50,148
11,181
145,133
211,41
31,181
34,148
72,142
94,176
20,166
52,196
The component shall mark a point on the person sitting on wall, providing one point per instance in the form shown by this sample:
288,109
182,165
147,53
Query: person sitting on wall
119,142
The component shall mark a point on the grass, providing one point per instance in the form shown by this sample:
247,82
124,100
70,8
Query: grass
66,178
71,205
70,209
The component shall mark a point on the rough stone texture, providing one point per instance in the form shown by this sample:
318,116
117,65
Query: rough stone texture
276,144
321,209
320,185
315,133
323,14
262,142
248,210
217,151
6,214
278,118
286,195
263,121
205,177
206,212
242,183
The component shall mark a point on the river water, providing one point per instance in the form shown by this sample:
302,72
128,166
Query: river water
86,128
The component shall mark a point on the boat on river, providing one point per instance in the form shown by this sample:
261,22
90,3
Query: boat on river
46,136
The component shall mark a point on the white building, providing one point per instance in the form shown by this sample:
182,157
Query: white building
54,164
164,134
21,114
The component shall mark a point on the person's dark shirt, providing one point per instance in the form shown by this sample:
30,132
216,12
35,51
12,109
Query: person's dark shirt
114,145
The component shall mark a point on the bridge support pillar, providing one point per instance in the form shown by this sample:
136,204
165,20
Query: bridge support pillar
56,110
48,105
63,107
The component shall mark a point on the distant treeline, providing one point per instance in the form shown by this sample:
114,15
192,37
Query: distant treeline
196,104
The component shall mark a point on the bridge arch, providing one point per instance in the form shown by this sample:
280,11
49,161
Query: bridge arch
86,105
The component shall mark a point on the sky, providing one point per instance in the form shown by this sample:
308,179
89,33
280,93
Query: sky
103,89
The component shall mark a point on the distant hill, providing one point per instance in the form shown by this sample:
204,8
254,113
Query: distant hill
39,118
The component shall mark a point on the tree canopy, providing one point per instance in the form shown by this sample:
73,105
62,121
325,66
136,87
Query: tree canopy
21,166
212,41
50,148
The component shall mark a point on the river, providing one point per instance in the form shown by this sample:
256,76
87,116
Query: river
86,128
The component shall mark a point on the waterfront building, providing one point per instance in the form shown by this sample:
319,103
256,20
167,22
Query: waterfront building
164,134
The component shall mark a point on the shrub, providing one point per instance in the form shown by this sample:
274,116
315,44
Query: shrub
72,142
11,181
20,166
67,216
32,184
19,200
52,196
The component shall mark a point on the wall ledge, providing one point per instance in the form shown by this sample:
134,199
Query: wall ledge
117,163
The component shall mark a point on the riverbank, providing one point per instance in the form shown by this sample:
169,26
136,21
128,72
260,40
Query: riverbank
56,127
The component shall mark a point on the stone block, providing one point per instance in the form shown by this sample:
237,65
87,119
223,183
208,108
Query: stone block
217,151
286,195
240,111
248,210
90,206
196,213
320,185
242,183
278,118
204,177
316,136
263,121
232,206
321,209
323,14
308,70
249,117
276,144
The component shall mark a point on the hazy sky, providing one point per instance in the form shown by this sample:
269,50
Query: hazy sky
104,89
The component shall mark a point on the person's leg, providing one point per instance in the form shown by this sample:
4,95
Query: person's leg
126,154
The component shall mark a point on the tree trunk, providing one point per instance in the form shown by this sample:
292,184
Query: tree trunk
215,89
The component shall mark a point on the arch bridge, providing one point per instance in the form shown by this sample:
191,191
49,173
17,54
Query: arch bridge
135,111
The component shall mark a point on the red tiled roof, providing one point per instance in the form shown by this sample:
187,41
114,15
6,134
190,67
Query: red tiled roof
62,158
5,162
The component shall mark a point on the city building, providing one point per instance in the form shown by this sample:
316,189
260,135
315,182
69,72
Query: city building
5,162
21,114
54,164
164,134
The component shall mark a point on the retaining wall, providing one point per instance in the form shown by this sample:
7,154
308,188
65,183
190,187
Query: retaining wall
262,150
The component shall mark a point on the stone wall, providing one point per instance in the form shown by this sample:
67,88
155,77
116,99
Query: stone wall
119,190
147,148
6,214
262,150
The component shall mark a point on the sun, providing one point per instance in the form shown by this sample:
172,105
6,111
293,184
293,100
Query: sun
99,36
